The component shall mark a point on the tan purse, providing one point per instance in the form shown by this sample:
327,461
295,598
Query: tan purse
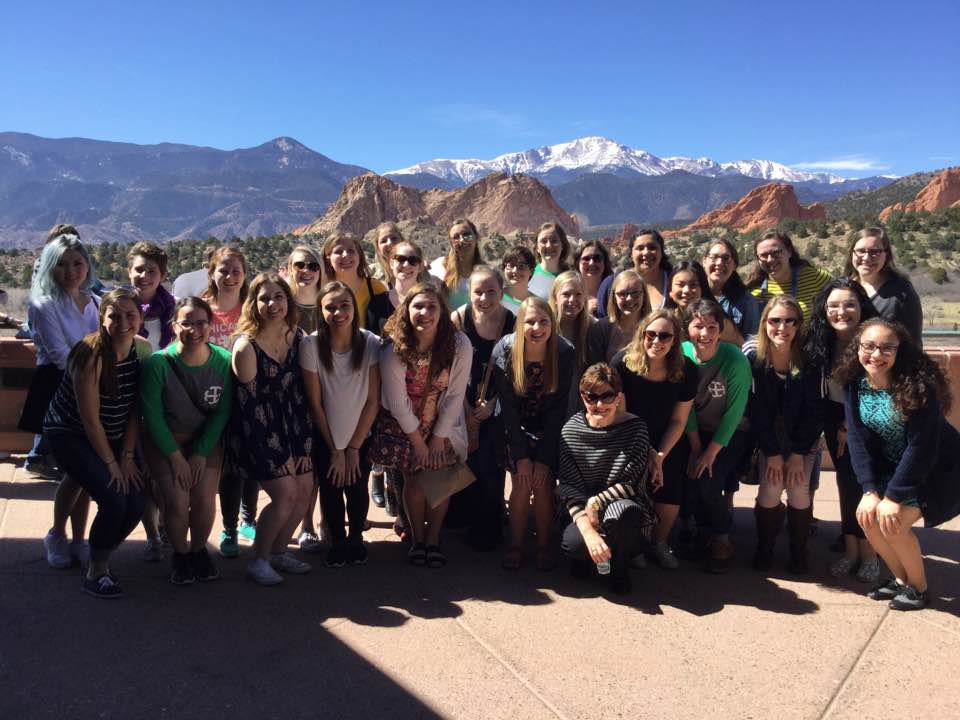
437,485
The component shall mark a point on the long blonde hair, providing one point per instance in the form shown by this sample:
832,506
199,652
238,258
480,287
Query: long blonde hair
635,354
451,275
551,366
579,339
764,352
250,321
613,310
383,270
317,258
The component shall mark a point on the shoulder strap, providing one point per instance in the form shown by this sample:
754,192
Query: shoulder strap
488,372
187,387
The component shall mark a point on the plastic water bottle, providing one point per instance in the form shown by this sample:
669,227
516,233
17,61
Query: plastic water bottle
603,568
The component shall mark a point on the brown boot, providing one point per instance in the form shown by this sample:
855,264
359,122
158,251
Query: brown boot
719,556
769,523
798,526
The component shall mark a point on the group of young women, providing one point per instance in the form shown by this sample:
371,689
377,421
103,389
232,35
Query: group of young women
622,404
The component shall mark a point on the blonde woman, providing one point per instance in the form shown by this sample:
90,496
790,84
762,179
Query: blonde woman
568,300
455,267
305,278
628,303
387,237
533,368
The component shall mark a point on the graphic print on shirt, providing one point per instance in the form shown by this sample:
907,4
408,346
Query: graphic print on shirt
211,395
717,389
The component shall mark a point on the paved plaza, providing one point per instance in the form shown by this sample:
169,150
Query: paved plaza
469,641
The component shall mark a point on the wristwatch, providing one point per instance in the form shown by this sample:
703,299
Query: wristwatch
594,502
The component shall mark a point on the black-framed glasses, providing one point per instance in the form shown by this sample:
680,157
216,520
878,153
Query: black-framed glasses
514,267
304,265
592,259
868,252
777,322
771,255
406,259
886,349
627,294
719,258
592,398
200,325
662,336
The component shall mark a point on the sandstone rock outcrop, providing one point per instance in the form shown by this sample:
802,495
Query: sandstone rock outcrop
941,192
497,203
762,207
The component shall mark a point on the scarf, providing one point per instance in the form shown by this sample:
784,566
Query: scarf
160,307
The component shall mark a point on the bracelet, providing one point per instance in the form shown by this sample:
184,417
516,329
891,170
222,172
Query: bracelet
128,454
111,462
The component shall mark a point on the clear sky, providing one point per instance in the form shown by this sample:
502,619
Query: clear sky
857,88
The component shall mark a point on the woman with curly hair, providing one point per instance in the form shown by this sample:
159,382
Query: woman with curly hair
454,268
425,367
553,247
905,453
659,384
592,260
785,411
533,369
274,433
870,262
841,306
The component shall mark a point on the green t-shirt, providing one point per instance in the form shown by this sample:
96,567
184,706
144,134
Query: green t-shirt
723,386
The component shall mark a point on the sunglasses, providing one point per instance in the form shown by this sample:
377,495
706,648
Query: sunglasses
652,335
406,259
598,259
311,266
592,398
777,322
464,236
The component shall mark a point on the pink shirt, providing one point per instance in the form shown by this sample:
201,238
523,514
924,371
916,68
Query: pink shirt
223,325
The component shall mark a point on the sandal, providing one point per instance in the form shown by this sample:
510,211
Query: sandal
546,560
417,554
435,557
513,558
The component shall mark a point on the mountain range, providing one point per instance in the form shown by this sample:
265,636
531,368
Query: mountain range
122,192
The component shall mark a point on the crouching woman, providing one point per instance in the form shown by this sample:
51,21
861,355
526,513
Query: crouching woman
603,461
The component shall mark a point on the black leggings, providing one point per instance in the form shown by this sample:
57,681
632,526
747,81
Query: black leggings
622,527
117,514
238,497
847,486
485,496
332,498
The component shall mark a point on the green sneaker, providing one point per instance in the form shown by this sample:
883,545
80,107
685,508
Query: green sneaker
228,544
247,531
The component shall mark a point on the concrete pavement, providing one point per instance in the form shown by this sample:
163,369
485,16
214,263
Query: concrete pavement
469,641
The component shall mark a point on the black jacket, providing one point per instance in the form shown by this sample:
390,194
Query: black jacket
798,399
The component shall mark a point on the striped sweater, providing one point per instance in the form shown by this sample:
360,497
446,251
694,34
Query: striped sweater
608,462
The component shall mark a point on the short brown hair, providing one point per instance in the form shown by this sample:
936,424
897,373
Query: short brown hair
600,374
149,251
61,229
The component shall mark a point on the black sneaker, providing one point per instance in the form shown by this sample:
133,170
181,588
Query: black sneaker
356,553
909,598
203,566
105,587
886,590
182,572
336,556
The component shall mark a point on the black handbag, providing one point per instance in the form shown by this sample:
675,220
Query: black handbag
43,387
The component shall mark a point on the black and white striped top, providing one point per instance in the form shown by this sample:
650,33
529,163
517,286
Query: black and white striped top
609,462
64,415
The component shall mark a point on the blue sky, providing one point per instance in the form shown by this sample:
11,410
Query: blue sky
857,88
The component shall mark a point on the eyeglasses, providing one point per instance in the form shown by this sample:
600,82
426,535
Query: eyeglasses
190,324
598,259
871,252
772,255
627,294
777,322
463,236
652,335
592,398
406,259
837,307
513,267
311,266
719,258
886,349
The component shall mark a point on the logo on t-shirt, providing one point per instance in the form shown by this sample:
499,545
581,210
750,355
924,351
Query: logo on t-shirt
212,394
717,389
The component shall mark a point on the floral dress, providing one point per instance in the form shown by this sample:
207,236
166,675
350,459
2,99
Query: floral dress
272,418
390,446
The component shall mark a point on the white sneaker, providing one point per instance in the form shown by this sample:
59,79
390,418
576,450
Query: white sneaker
80,551
310,542
869,571
664,557
285,562
153,550
58,551
260,572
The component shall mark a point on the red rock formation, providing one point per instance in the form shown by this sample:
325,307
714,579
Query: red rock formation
941,192
762,207
497,203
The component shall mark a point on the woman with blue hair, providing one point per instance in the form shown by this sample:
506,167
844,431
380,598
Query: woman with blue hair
62,310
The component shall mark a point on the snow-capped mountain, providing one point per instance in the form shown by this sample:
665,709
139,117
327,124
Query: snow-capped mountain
566,161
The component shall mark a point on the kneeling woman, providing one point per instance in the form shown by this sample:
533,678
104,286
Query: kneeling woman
425,368
341,374
786,415
186,392
904,452
274,436
603,465
92,428
533,369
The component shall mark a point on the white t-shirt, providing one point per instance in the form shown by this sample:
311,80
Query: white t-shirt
189,284
154,332
344,389
541,283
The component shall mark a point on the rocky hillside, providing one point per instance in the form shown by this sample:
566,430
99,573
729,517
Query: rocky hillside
869,203
941,192
497,203
761,208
